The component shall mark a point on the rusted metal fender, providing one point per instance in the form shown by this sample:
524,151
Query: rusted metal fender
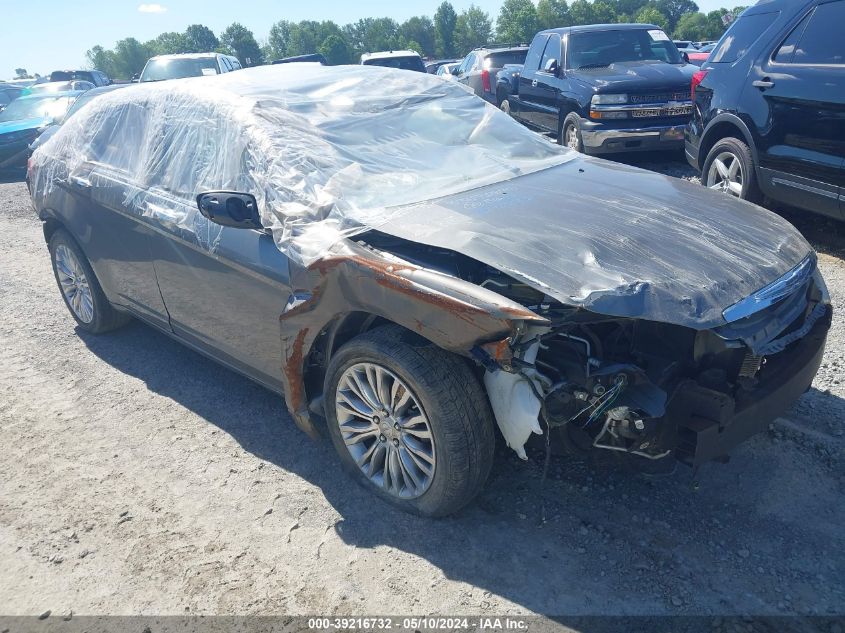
452,313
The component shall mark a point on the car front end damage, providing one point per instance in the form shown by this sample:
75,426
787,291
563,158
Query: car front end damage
654,389
582,379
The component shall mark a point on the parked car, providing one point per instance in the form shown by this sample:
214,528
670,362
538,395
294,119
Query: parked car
404,60
433,66
180,66
681,44
80,101
96,77
602,88
448,71
697,56
769,116
403,303
480,68
313,58
24,119
8,93
59,86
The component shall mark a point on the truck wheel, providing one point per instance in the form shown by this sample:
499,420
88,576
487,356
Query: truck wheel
79,287
505,105
570,133
729,168
409,420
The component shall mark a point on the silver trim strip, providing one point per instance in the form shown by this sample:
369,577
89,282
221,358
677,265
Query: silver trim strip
807,188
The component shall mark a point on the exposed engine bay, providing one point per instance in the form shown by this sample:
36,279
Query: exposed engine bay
643,388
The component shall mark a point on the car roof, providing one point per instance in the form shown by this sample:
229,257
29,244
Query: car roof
587,28
767,6
189,56
389,54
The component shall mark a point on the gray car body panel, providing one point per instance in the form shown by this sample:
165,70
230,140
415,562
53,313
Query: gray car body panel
615,239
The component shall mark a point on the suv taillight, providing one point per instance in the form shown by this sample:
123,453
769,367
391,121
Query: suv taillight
485,80
697,77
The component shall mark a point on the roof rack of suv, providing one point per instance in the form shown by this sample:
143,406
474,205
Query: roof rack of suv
500,45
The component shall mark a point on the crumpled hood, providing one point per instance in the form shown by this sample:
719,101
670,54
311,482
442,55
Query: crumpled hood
615,239
637,77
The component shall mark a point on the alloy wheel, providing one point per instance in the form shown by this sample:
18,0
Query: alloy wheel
74,284
726,175
385,430
571,137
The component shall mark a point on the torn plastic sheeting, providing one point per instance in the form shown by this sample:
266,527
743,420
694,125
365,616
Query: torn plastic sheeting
327,151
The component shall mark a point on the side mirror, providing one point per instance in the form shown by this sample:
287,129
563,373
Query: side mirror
455,71
230,208
551,66
685,57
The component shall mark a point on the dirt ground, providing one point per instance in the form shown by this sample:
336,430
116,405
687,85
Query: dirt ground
137,477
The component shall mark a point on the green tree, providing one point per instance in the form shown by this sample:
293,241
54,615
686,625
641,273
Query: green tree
419,29
168,43
200,39
692,26
20,73
552,14
445,21
279,39
674,9
102,59
627,7
652,15
603,12
473,29
581,12
129,58
372,34
336,50
715,27
517,21
240,42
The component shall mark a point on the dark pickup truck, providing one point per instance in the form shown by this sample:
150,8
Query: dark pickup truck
602,88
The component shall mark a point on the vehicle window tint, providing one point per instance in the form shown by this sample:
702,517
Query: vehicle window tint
599,49
116,132
552,51
535,53
821,42
466,64
226,64
741,35
786,50
497,60
403,63
236,65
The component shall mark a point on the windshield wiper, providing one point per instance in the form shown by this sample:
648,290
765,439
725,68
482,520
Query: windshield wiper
593,66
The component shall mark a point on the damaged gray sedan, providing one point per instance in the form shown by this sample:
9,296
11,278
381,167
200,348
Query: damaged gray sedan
412,269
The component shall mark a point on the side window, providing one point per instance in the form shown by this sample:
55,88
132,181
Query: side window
115,129
821,42
225,66
465,65
552,51
786,50
236,65
535,53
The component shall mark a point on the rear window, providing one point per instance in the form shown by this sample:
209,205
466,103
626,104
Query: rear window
741,36
497,60
403,63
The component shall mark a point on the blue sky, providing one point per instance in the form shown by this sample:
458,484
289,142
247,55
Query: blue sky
45,35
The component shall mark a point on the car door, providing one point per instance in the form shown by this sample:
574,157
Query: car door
465,70
798,106
548,87
529,106
99,214
224,288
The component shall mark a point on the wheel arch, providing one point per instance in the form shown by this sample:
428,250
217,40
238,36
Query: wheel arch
723,126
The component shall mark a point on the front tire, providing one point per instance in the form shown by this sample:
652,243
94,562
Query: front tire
79,287
570,133
505,106
729,168
409,421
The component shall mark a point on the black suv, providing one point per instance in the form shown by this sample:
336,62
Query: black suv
769,107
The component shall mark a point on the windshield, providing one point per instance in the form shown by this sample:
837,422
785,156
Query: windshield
598,49
405,63
160,69
41,108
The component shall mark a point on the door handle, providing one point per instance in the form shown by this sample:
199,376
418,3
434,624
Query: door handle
763,84
534,83
80,183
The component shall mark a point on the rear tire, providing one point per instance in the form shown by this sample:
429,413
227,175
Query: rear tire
454,429
729,167
79,287
505,105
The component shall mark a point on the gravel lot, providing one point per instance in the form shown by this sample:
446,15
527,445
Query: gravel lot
137,477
